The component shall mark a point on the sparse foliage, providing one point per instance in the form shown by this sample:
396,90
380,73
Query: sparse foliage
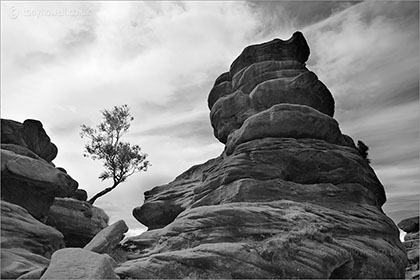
362,148
120,159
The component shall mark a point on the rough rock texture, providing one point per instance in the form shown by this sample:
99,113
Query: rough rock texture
30,182
30,135
411,244
77,220
262,76
290,197
75,263
108,238
26,243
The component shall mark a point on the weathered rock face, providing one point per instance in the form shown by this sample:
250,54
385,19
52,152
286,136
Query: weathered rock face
290,197
77,263
411,244
262,76
32,183
77,220
108,238
30,135
26,243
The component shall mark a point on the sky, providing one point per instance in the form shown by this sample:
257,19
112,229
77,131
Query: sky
64,62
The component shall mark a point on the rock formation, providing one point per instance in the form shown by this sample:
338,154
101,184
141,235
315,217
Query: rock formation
26,243
28,178
290,196
34,191
411,244
77,220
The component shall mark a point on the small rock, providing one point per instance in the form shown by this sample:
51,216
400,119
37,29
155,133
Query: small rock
79,264
413,255
409,225
411,236
108,238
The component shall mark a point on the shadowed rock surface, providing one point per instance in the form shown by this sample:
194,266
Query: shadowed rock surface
32,183
290,197
26,243
31,135
411,244
78,220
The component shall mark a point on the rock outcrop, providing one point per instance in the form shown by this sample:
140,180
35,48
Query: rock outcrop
77,220
26,243
290,197
31,135
32,183
411,244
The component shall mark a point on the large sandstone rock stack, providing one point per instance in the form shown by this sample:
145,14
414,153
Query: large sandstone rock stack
411,244
290,197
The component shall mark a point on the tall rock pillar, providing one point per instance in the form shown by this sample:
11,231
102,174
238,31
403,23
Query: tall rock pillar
290,196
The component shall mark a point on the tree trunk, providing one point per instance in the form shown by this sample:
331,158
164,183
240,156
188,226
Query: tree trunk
101,193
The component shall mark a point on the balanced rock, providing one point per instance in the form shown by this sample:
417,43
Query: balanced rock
26,243
290,196
31,135
75,263
77,220
32,183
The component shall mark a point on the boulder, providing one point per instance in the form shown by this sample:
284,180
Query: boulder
20,263
20,230
409,225
77,220
26,243
77,263
79,194
31,135
108,238
32,183
290,196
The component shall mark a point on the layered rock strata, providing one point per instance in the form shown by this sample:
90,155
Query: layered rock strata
26,243
290,197
411,244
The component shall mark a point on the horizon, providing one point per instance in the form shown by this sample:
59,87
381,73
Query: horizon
62,63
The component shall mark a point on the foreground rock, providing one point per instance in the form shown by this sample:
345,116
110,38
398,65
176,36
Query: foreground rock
108,238
26,243
77,220
32,183
75,263
411,244
290,197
